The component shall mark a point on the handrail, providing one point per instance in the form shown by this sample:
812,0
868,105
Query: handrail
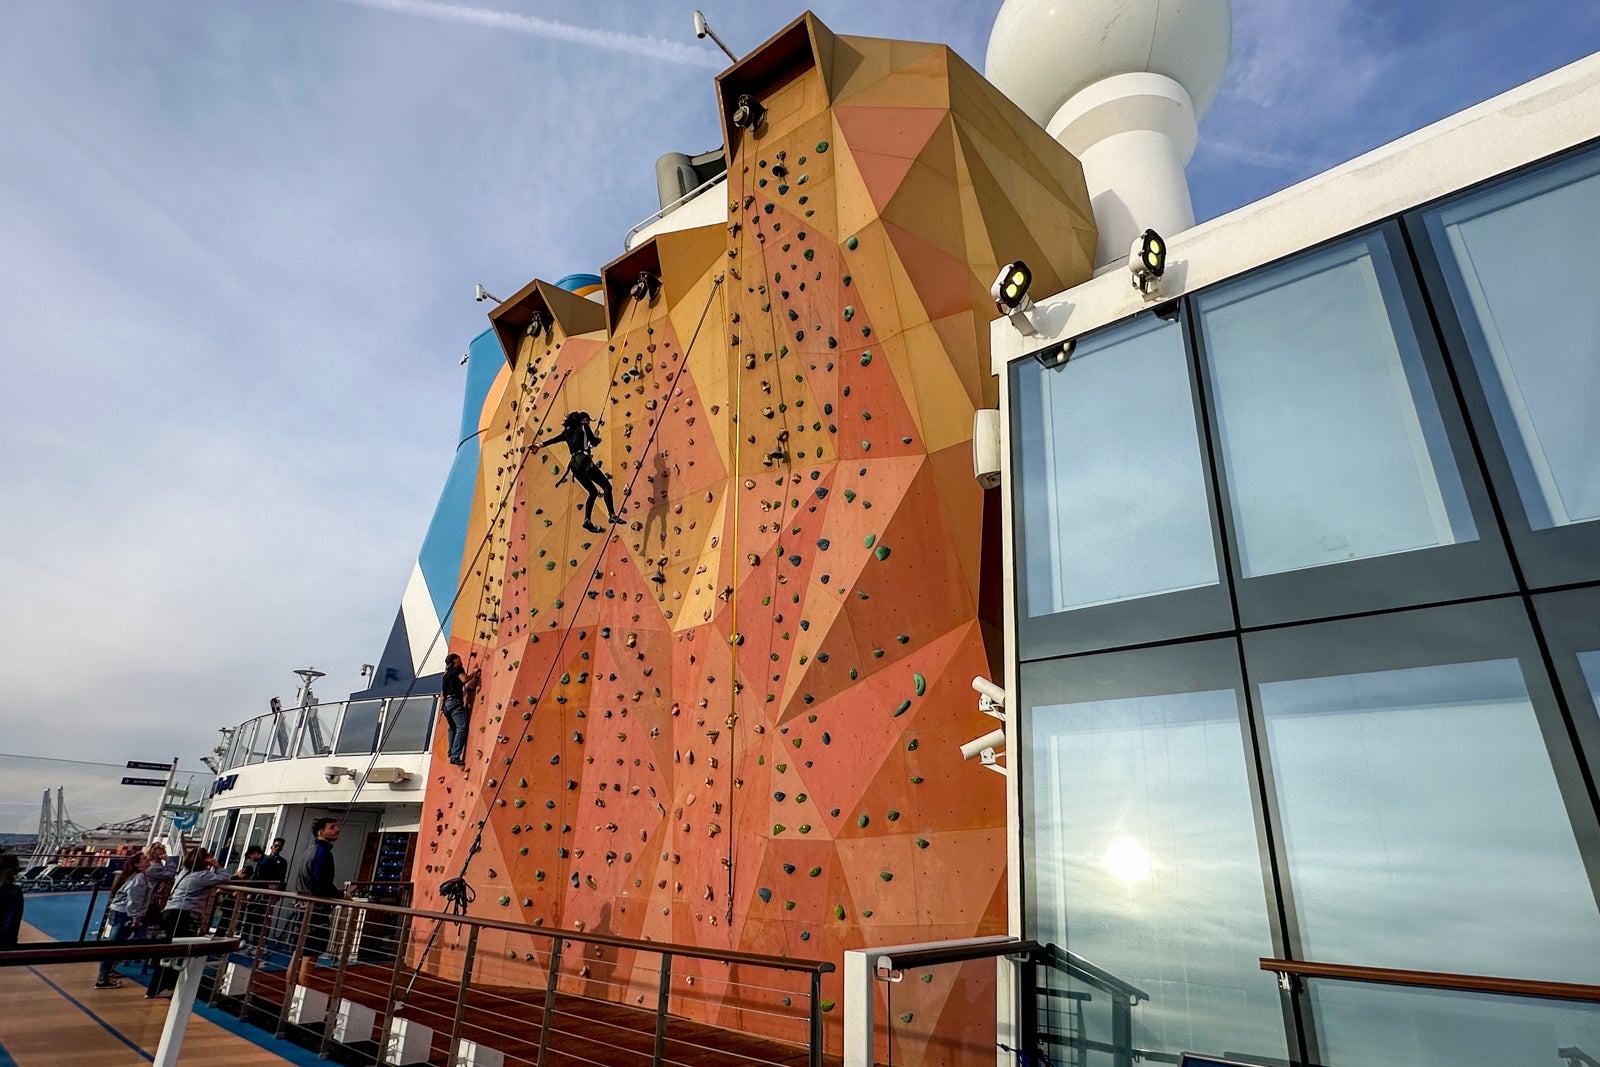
1079,967
933,957
781,963
627,238
44,952
1468,983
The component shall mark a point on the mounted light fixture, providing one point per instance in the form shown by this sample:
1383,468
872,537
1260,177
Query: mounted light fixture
1010,293
480,294
1054,357
1147,261
538,323
645,286
748,112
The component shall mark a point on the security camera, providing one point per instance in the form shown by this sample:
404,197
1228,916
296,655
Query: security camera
989,741
480,294
333,773
990,696
700,28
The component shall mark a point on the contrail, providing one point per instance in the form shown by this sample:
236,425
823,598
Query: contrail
607,40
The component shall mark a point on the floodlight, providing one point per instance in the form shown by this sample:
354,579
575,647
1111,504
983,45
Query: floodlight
1147,260
1010,293
748,112
645,286
1054,357
702,30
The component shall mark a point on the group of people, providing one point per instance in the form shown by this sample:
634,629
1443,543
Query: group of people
161,897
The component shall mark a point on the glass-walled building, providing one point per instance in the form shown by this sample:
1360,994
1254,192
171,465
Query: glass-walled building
1306,621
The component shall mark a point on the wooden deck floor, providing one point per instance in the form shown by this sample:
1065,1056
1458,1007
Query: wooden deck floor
54,1017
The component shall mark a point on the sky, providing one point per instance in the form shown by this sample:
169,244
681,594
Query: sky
238,244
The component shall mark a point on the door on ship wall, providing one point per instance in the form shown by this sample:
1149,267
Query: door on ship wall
295,829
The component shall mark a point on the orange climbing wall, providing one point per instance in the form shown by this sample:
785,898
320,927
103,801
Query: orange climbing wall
734,720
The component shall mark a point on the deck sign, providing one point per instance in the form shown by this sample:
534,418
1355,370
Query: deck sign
141,765
144,781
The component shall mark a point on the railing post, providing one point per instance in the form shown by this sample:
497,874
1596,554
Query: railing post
292,973
345,936
663,995
1121,1030
1027,979
269,918
816,1019
549,998
461,995
83,935
388,1000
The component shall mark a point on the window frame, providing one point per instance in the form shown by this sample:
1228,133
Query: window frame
1442,573
1194,612
1558,555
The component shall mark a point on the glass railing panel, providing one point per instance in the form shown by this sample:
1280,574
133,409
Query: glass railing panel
319,725
942,1016
257,738
1358,1024
358,732
277,727
407,723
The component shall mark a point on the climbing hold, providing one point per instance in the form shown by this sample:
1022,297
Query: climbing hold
905,706
882,552
866,358
862,822
765,894
922,842
921,683
849,312
886,876
851,242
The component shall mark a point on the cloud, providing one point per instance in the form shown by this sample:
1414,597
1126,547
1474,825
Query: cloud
606,40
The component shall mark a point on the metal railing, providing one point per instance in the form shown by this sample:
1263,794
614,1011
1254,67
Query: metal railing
335,728
657,216
1290,970
403,985
194,951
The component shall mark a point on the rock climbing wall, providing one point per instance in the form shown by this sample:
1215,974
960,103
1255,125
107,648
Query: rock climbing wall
733,719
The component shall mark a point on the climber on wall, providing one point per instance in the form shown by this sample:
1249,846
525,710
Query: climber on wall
585,471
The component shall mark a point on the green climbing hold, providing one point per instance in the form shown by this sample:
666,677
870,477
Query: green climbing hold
849,312
921,683
923,842
822,146
504,900
894,816
778,828
838,912
901,639
805,828
871,539
907,1016
519,802
851,242
845,279
912,747
905,706
886,876
788,905
815,871
866,358
882,552
849,496
862,822
916,779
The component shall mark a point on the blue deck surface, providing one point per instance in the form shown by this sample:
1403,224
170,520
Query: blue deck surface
60,917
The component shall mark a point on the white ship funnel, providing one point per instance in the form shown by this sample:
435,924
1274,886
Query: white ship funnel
1122,84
